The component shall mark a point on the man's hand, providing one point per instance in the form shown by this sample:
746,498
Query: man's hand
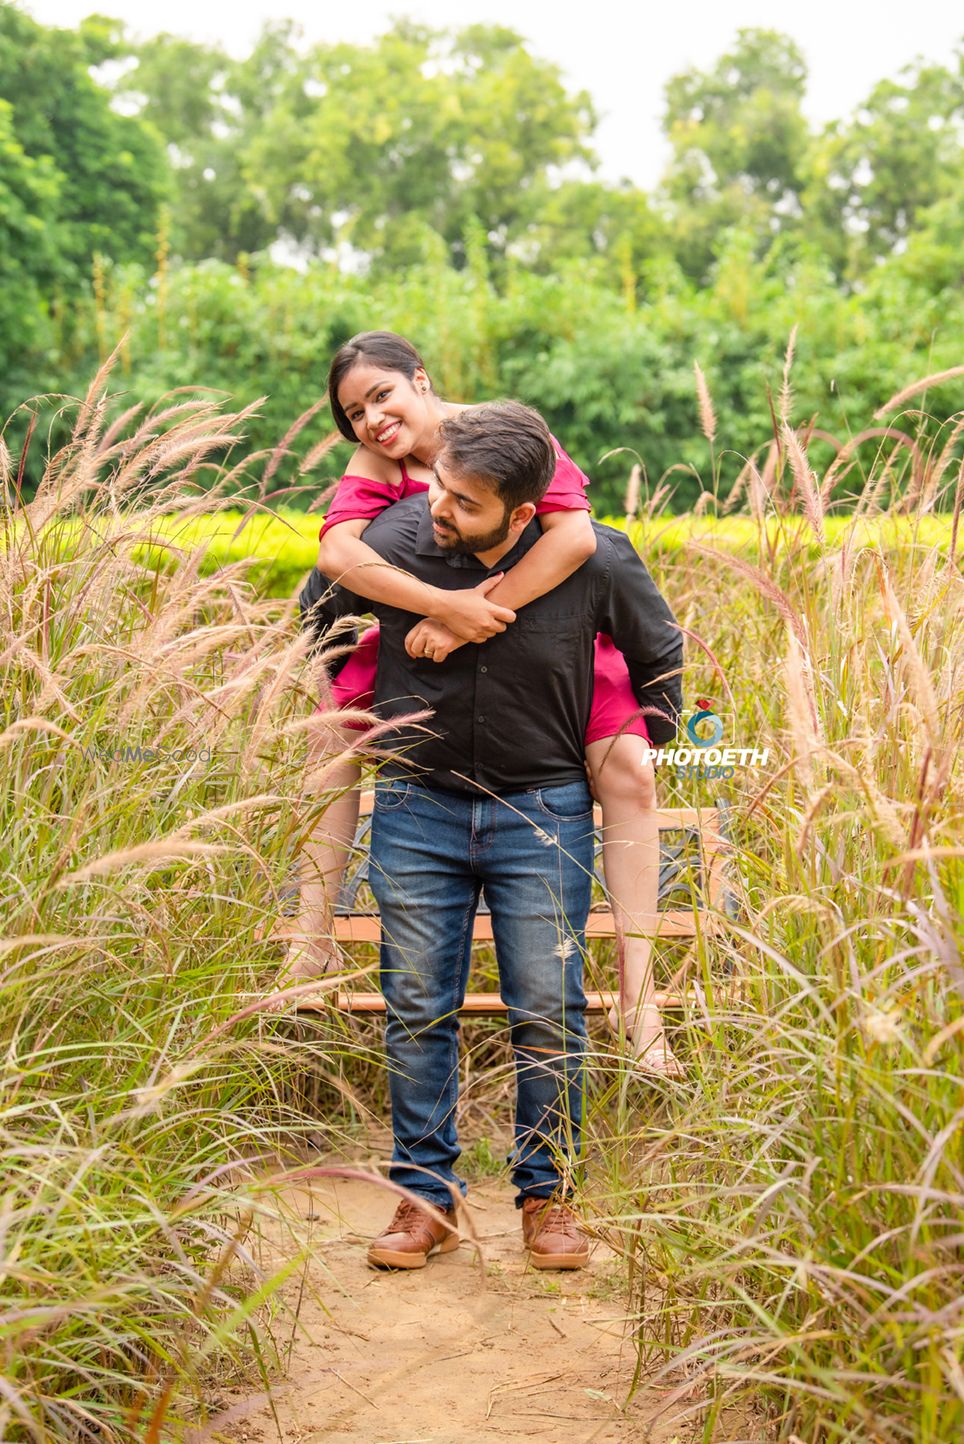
470,614
431,639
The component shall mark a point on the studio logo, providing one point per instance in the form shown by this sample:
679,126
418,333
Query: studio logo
706,718
706,758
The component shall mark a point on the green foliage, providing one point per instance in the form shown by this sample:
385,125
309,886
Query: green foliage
109,167
77,182
418,183
611,376
740,145
362,147
872,177
29,195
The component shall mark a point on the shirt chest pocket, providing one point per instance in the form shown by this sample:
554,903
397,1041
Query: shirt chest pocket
549,648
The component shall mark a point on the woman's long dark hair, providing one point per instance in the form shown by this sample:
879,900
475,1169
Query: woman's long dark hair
378,348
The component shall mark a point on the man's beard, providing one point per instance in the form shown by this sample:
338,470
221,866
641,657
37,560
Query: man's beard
464,545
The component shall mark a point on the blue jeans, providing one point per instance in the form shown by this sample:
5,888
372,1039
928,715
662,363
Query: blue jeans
432,852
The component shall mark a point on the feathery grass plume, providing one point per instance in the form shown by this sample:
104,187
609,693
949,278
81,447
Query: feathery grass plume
806,480
707,414
91,408
116,427
918,675
883,809
738,487
295,429
661,494
757,492
800,709
769,475
937,469
319,451
633,488
684,466
916,387
786,390
171,850
763,583
840,573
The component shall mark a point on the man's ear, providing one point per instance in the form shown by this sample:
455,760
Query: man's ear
521,516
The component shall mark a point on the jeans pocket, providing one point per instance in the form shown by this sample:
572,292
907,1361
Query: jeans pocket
391,794
570,803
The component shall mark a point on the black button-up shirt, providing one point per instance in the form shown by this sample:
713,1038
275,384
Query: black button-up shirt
509,713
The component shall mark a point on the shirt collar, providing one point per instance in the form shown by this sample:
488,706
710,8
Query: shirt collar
427,546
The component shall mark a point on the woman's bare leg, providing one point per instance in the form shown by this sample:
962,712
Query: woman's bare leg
625,785
312,949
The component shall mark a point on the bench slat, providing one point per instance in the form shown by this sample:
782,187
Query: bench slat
477,1003
673,923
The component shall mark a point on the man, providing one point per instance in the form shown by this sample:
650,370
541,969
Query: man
493,794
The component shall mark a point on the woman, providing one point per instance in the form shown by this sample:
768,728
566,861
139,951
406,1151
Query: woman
381,396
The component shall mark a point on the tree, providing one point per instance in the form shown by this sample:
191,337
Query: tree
209,108
110,169
365,146
616,227
740,144
29,200
77,181
900,154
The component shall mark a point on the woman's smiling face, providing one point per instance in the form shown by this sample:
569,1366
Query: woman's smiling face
388,413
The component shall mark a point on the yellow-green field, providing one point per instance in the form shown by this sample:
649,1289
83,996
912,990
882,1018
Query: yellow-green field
282,547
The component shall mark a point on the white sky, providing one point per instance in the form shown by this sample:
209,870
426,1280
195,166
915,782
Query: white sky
622,53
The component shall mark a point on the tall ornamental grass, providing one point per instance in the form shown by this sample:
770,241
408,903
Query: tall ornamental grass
153,1102
793,1218
790,1217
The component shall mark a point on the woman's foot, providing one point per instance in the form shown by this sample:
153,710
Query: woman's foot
647,1039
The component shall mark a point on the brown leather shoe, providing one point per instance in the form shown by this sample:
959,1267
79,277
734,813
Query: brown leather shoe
551,1233
415,1232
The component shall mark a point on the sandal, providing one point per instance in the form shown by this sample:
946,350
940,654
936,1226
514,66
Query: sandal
657,1059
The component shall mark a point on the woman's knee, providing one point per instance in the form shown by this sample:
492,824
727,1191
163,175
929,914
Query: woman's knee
624,771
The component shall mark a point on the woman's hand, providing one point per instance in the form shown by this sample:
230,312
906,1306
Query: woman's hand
431,639
470,614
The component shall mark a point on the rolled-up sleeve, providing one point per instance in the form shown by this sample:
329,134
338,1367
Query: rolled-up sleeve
633,611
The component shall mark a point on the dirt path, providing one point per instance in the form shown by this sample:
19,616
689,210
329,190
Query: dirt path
462,1351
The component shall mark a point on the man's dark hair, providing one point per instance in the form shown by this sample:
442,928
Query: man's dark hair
378,348
503,443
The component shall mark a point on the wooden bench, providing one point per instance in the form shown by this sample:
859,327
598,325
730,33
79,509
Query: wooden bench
692,895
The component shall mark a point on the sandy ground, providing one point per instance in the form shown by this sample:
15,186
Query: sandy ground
476,1346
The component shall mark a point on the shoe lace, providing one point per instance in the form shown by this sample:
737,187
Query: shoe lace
560,1220
407,1214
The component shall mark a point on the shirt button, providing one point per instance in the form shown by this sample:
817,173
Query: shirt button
483,669
481,716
